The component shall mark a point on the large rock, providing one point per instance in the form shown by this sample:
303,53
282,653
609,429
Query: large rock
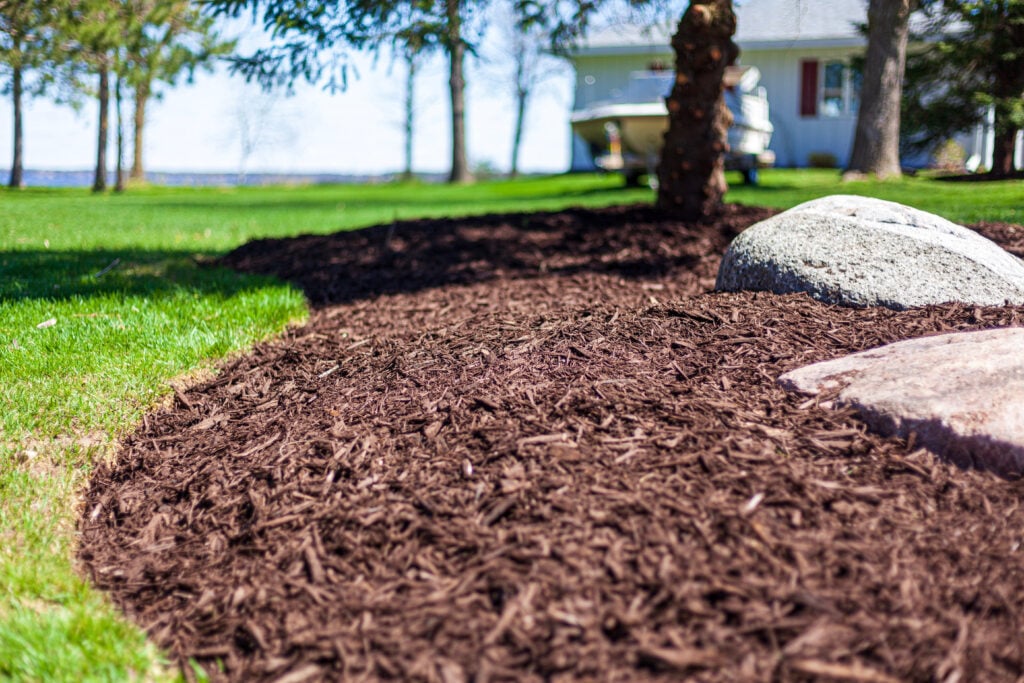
858,251
962,394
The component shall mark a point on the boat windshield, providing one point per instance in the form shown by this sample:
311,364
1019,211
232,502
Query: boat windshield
649,86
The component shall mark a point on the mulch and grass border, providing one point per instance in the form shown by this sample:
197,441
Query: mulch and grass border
535,447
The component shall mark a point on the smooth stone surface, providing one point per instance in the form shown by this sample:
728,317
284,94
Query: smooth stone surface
962,394
859,251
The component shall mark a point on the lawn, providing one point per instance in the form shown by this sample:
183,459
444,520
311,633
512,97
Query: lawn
105,301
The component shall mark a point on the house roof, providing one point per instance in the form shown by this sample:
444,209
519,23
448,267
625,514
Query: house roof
760,24
785,22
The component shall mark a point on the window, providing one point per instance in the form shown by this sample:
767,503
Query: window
840,89
829,89
832,89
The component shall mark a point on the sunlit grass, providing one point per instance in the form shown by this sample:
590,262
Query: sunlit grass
961,202
104,300
53,627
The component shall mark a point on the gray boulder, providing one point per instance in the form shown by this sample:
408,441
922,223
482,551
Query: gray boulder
961,394
859,251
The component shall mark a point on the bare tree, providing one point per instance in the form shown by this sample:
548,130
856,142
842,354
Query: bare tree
258,121
412,58
532,65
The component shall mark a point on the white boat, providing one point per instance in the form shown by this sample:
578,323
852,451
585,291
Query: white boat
626,134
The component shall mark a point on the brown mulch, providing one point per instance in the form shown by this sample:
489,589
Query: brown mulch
536,448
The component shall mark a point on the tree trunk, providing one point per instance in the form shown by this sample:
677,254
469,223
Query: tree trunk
1007,88
118,115
876,142
457,86
517,136
691,174
99,183
17,163
139,124
1002,152
408,128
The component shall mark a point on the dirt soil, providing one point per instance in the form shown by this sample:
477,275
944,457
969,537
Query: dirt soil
535,447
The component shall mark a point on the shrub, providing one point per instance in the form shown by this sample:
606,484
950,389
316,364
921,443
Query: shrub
951,157
822,160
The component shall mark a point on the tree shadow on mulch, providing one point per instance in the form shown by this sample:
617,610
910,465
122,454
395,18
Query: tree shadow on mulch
636,242
536,448
980,177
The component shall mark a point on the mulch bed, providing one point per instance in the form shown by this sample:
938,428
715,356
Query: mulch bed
535,447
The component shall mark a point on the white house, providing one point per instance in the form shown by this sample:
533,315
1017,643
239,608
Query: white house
803,50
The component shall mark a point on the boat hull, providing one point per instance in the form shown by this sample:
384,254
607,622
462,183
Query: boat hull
642,130
627,133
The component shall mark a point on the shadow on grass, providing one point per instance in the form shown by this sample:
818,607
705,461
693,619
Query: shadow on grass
61,275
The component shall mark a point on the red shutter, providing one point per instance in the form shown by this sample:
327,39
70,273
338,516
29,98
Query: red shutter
809,87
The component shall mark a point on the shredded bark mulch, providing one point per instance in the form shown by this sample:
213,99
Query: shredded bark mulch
535,447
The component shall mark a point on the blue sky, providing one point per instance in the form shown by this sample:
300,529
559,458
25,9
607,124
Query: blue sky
197,127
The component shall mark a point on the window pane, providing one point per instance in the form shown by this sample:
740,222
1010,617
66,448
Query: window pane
856,80
834,75
832,106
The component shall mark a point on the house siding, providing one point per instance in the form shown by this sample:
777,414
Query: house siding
798,137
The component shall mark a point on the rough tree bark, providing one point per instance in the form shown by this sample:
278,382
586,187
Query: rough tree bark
1008,87
691,175
1002,153
138,171
876,142
457,87
99,183
17,163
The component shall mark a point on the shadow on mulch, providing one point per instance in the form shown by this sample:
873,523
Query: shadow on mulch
633,242
980,177
535,448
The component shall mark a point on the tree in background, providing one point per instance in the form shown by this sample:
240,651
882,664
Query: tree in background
257,121
28,52
164,40
412,48
877,136
454,43
970,61
692,179
94,30
521,61
311,38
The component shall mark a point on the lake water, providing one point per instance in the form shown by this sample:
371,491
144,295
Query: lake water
35,178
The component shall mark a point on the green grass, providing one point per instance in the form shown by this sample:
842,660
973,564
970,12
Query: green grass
123,278
958,201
